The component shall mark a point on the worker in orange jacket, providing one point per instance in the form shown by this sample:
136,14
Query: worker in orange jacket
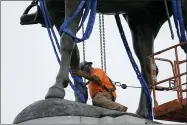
101,88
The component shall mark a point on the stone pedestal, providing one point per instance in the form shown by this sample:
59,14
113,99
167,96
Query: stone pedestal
59,111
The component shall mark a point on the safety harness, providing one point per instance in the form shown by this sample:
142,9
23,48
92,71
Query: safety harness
110,90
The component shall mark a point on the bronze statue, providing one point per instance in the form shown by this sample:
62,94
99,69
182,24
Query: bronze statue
145,18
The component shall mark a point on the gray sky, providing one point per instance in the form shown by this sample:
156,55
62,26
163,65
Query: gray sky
29,65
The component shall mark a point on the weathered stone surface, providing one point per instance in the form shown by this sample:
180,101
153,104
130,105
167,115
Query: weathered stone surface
61,107
124,119
55,120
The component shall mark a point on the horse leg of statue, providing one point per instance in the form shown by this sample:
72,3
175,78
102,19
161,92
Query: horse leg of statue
56,12
75,60
142,35
67,45
144,28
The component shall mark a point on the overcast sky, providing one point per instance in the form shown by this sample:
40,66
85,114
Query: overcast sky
29,65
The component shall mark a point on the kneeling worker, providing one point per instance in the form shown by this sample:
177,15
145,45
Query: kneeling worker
101,88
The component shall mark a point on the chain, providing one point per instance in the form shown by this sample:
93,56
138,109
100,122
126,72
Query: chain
84,49
101,41
104,46
83,45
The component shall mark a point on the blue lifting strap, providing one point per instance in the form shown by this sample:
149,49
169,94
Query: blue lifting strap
48,23
179,23
90,6
134,65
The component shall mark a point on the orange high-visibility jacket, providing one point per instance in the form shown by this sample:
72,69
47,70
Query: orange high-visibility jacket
95,88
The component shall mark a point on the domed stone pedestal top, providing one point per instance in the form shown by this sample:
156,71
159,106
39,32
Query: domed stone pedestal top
54,111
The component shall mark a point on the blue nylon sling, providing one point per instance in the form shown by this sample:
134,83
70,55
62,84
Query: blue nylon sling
92,7
179,23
